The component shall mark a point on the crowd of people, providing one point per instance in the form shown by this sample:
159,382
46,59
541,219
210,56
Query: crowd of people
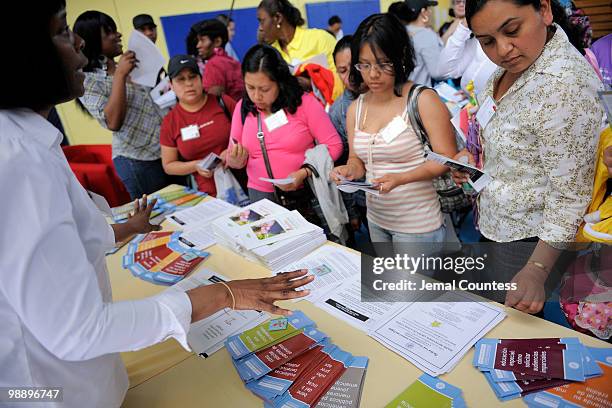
300,105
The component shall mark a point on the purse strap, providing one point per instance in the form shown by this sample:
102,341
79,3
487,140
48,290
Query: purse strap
415,116
262,144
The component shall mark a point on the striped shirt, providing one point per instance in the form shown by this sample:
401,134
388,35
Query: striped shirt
410,208
138,137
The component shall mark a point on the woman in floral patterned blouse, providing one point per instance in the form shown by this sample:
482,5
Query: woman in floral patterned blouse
540,142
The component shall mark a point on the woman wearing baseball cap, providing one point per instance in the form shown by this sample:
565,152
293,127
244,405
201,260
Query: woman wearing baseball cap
198,125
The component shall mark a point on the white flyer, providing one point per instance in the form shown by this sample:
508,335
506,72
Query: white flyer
278,182
436,335
150,60
200,237
330,265
203,213
344,302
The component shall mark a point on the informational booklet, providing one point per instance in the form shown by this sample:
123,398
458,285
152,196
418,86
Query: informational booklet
346,391
476,178
350,186
275,228
344,302
435,335
150,60
330,265
210,162
201,214
429,392
208,335
231,224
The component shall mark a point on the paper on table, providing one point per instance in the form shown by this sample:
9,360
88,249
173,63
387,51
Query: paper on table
344,302
278,182
208,335
203,213
436,335
150,59
200,237
330,266
477,178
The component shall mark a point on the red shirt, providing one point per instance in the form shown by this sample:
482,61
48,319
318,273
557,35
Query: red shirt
222,70
214,135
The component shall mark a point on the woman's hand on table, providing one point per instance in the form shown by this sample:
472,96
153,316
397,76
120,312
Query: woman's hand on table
249,294
530,294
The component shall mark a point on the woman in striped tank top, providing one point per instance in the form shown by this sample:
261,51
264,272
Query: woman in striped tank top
384,147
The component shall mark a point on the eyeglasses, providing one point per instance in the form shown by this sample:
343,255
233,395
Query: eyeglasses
456,2
386,67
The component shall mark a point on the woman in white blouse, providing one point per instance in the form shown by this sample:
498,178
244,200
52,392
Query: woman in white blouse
541,138
60,327
463,57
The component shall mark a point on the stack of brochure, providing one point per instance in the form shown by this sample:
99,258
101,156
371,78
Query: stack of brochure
267,233
288,362
522,367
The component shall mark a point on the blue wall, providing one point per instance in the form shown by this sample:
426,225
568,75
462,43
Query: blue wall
350,12
176,29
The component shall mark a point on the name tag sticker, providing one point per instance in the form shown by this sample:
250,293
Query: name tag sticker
190,132
396,127
486,112
276,120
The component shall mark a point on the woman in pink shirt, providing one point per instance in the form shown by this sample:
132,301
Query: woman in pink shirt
291,121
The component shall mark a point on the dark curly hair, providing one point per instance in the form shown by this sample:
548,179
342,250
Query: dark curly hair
386,35
263,58
88,26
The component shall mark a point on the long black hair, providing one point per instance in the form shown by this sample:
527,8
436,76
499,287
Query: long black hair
89,27
575,33
45,87
263,58
403,12
384,33
285,8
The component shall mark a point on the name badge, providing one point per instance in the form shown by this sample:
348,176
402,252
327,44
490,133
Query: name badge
190,132
276,120
486,112
396,127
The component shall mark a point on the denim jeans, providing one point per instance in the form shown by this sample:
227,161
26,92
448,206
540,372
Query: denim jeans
141,176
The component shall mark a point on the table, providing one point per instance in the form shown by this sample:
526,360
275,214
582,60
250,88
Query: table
165,375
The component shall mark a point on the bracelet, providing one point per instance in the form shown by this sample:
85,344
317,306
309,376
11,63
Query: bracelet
231,294
539,265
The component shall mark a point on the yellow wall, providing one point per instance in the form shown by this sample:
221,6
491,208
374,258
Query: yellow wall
79,127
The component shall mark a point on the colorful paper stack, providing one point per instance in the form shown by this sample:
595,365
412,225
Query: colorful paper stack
288,362
596,391
429,392
167,202
518,367
159,257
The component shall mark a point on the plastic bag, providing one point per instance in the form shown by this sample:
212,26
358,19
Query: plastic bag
228,188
